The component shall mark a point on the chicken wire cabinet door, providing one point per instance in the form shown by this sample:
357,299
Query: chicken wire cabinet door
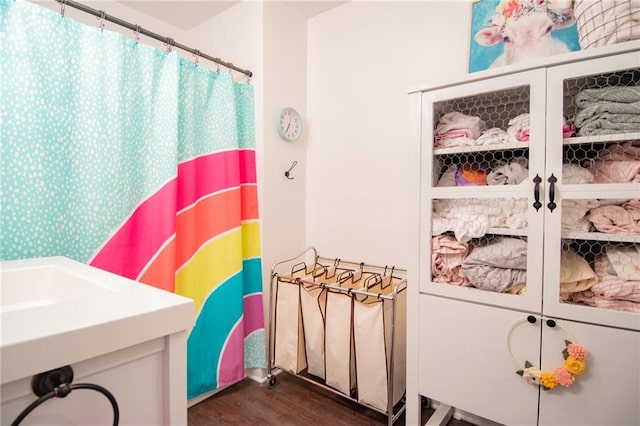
483,146
592,247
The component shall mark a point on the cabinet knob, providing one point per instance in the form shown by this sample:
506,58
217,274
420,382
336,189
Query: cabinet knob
551,323
531,319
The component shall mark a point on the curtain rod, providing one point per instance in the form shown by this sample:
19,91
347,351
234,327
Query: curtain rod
139,30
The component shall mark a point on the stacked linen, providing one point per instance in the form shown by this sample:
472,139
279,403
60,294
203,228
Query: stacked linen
495,136
620,163
608,110
618,287
502,172
473,217
457,129
498,265
575,211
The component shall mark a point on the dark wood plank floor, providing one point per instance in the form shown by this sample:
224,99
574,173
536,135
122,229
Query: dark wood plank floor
292,401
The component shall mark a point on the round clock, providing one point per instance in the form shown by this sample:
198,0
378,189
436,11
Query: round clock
289,124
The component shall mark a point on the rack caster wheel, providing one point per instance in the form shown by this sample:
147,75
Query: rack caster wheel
425,402
272,382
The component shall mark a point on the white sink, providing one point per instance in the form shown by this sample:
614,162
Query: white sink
128,336
82,311
31,287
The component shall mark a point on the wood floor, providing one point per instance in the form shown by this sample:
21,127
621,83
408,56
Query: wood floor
291,402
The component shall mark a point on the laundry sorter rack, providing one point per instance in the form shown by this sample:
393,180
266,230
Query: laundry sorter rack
340,325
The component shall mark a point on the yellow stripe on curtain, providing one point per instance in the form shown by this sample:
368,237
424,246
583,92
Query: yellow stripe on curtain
216,261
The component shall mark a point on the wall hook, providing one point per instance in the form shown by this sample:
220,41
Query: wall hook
287,174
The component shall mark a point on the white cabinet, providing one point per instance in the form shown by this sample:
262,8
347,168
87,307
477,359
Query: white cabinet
526,233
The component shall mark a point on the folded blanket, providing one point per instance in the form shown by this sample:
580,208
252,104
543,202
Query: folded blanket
618,286
615,171
623,219
615,94
575,174
497,265
495,136
575,275
575,214
608,123
458,121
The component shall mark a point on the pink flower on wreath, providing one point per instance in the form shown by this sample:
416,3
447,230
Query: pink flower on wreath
576,351
563,377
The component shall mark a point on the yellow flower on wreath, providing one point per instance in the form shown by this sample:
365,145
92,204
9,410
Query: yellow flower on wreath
548,380
574,366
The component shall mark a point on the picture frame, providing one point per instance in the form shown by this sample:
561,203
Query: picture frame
504,32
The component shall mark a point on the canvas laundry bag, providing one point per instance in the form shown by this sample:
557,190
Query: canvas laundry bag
372,321
340,367
289,335
314,301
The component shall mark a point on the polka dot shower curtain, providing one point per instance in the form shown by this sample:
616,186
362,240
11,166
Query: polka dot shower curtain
138,162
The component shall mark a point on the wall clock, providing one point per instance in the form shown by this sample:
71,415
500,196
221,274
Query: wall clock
289,124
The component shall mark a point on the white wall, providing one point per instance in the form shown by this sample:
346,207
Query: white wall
362,59
285,54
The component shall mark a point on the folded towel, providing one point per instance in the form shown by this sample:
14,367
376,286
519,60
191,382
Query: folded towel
519,127
458,121
616,94
495,136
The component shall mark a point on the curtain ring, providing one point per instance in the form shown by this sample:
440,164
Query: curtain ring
136,33
196,54
168,44
102,18
63,5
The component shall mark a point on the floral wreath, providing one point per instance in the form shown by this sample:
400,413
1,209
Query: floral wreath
565,375
511,10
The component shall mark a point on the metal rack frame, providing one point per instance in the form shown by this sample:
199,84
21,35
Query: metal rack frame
399,287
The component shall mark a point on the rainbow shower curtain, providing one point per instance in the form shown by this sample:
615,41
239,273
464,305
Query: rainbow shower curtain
137,162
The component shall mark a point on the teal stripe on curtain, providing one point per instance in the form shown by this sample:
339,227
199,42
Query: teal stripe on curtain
89,123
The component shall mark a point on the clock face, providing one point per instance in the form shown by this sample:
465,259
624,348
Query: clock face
289,124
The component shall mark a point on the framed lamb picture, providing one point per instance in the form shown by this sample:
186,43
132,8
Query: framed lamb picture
505,32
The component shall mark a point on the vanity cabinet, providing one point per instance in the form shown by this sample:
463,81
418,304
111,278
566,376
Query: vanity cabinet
525,204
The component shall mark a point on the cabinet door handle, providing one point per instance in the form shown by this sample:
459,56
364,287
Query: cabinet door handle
552,192
531,319
551,323
536,192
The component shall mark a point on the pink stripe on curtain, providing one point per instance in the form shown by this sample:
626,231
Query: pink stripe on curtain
154,224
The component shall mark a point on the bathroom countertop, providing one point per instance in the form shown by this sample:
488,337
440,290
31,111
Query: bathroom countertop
120,313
